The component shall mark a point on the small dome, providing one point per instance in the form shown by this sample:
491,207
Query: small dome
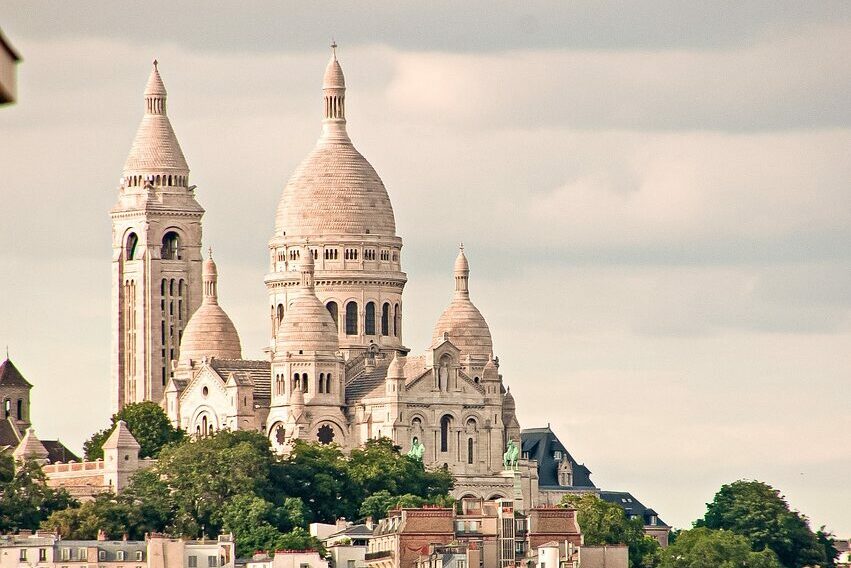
461,262
307,326
508,402
334,78
210,332
466,327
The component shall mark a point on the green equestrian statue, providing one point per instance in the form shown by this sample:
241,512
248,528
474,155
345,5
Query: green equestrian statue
509,458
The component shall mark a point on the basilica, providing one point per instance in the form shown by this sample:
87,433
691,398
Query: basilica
337,369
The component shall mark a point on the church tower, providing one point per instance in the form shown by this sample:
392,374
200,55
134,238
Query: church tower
336,206
156,256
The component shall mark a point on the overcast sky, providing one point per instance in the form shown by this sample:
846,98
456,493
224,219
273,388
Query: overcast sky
655,200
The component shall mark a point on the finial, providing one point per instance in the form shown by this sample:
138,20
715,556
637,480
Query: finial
461,246
155,63
334,48
210,253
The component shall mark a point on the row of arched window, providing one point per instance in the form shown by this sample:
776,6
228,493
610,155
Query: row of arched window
445,425
390,322
334,254
334,106
161,180
173,317
170,246
302,381
7,409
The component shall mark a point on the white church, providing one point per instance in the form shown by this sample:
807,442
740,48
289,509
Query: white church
337,369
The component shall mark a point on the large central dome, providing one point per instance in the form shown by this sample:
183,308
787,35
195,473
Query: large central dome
334,191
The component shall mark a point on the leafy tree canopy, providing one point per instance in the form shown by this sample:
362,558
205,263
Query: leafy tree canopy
606,523
149,425
760,513
708,548
26,500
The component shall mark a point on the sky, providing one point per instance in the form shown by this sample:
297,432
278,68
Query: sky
654,199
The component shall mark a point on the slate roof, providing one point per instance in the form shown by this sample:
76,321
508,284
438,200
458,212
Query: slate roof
632,506
57,452
259,372
365,382
9,435
540,444
10,376
354,531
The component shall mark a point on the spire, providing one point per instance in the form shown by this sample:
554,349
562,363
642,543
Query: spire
462,274
306,269
30,447
155,149
334,96
210,275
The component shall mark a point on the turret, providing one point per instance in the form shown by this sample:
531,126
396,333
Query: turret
121,457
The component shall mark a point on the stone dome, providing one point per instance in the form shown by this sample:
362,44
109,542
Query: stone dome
462,320
210,332
466,327
508,403
155,147
334,191
307,324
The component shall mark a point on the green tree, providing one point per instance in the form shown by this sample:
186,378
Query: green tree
26,500
708,548
147,422
759,512
318,475
115,515
202,475
606,523
248,518
379,503
826,541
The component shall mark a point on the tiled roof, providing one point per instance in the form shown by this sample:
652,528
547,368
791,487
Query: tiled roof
9,435
366,382
259,372
10,376
540,444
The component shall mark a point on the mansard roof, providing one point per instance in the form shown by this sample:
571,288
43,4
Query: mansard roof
541,444
632,506
10,376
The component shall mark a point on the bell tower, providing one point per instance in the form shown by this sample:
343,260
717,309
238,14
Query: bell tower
156,256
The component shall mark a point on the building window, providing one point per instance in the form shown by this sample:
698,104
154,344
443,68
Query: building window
119,555
171,246
280,313
352,318
101,555
23,555
385,319
397,321
469,450
334,311
130,247
212,561
42,555
369,324
193,561
82,554
444,433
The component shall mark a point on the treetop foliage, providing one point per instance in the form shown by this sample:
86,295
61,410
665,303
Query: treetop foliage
147,422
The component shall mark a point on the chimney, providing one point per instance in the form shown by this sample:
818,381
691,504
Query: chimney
101,534
342,524
25,532
125,537
370,524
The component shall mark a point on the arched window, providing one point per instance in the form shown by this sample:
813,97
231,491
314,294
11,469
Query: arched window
321,382
20,409
171,246
385,319
204,424
334,311
130,247
296,382
352,318
469,450
444,433
305,383
7,408
397,321
280,313
328,383
369,324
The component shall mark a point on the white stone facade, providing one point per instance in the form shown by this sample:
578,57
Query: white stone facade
338,370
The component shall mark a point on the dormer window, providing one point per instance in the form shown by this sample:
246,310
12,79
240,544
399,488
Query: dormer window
557,455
